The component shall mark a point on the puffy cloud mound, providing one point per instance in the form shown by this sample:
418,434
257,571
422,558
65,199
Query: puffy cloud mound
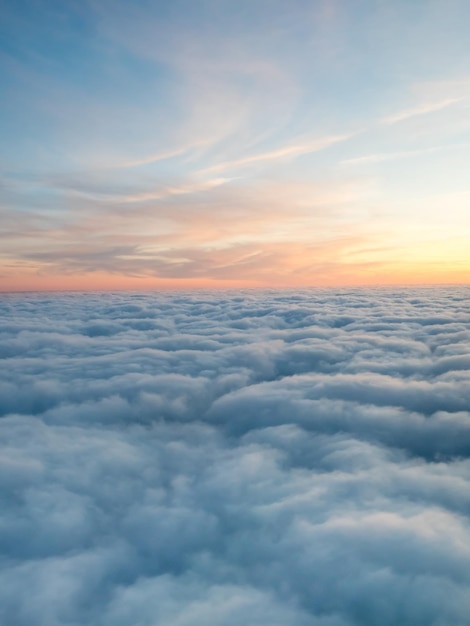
265,459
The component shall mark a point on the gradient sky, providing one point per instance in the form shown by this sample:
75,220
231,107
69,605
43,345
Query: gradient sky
234,143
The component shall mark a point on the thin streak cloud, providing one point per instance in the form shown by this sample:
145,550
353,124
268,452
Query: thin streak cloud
162,156
422,109
159,194
389,156
286,152
154,158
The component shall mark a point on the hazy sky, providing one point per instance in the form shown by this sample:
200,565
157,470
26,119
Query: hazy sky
228,143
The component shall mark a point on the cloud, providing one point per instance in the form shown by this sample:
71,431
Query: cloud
281,153
388,156
279,457
144,196
422,109
154,158
213,229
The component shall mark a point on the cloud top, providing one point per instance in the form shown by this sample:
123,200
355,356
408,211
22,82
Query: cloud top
296,457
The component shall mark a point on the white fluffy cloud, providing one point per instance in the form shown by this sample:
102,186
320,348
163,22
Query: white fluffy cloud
219,459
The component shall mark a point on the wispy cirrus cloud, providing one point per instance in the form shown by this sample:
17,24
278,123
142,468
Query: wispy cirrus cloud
286,152
145,196
389,156
152,158
421,109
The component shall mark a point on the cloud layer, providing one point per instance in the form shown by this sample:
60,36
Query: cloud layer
248,458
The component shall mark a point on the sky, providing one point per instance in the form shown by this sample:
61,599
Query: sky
213,143
265,458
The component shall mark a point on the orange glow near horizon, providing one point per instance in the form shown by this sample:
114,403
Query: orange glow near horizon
418,276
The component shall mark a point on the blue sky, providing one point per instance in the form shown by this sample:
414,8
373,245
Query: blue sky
252,143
